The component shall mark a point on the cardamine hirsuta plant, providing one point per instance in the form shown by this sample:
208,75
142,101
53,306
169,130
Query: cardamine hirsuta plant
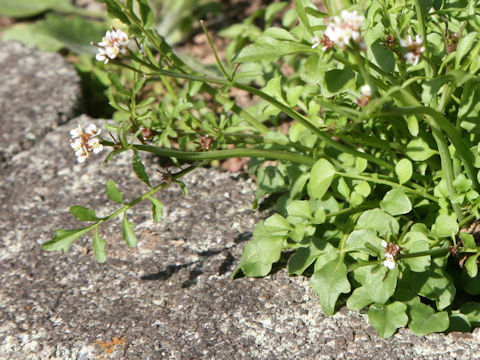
375,184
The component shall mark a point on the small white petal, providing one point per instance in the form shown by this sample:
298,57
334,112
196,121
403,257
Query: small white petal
389,264
97,149
75,133
91,129
384,243
367,91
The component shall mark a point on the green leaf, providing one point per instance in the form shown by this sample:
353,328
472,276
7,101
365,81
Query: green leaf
32,35
268,49
468,240
343,188
300,6
337,79
469,108
272,10
270,180
128,233
27,8
388,318
358,238
140,169
261,252
113,193
99,247
445,226
459,323
379,221
363,188
383,56
418,150
300,209
74,32
381,283
395,202
329,282
416,242
304,257
64,238
277,225
83,214
436,285
359,299
183,187
462,184
412,124
146,13
115,11
464,46
404,170
157,209
279,34
424,320
321,177
471,265
360,164
472,311
115,80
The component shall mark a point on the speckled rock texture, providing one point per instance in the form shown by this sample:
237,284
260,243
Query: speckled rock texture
38,92
171,297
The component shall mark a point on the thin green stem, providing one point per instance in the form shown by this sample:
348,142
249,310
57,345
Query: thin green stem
352,210
435,252
212,46
223,154
392,184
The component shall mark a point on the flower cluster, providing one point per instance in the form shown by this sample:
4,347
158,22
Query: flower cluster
341,30
365,95
414,48
86,141
114,42
391,251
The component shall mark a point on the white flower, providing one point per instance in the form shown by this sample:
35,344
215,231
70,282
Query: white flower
113,43
391,251
365,95
85,141
341,30
92,130
415,48
76,132
366,90
389,262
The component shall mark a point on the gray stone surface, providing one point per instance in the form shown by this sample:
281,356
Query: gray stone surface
38,91
170,298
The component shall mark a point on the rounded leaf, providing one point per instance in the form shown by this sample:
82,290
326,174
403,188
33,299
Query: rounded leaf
395,202
388,318
321,177
404,170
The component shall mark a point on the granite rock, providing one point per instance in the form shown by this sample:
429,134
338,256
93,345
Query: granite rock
38,92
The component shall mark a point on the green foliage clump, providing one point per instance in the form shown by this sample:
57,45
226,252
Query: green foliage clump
377,177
